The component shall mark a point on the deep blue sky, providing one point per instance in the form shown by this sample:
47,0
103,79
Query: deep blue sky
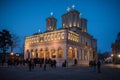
25,17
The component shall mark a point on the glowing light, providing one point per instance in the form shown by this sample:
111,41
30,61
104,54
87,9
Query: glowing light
119,55
74,24
62,35
70,24
112,55
11,53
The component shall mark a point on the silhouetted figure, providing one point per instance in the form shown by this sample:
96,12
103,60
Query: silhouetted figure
23,62
64,64
94,65
40,62
8,62
30,65
3,62
45,66
54,63
98,66
75,62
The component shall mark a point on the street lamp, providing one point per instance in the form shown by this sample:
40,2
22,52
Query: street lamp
11,53
119,55
112,55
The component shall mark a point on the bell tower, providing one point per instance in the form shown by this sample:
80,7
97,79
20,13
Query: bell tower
51,23
83,25
71,18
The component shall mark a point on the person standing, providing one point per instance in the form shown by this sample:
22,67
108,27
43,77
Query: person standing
30,65
99,66
94,65
45,66
75,62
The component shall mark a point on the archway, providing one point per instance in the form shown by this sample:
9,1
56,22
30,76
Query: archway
60,52
47,53
28,54
85,55
32,54
36,53
41,53
53,54
69,53
75,53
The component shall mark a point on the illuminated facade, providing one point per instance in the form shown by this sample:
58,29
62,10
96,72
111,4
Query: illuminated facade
67,43
116,50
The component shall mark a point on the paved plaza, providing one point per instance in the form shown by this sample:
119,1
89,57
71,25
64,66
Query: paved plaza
108,72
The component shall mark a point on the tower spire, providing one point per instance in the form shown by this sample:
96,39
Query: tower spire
51,22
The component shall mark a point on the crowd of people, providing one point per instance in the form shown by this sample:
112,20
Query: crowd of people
31,63
95,65
44,63
12,62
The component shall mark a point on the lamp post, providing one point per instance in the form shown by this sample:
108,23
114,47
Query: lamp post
112,57
118,55
11,53
118,58
12,57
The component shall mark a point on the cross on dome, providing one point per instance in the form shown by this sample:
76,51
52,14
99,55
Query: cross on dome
39,30
73,6
51,13
68,9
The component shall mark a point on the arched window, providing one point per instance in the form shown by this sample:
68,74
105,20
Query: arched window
60,52
41,53
32,54
28,54
53,54
36,52
75,53
47,53
70,53
62,35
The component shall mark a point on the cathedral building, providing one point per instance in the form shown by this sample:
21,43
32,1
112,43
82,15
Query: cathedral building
70,42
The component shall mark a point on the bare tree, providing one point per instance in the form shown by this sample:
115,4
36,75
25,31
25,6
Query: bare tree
16,42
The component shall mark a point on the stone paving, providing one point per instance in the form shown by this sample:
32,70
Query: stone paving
59,73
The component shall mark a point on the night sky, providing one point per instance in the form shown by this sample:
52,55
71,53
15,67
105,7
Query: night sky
25,17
